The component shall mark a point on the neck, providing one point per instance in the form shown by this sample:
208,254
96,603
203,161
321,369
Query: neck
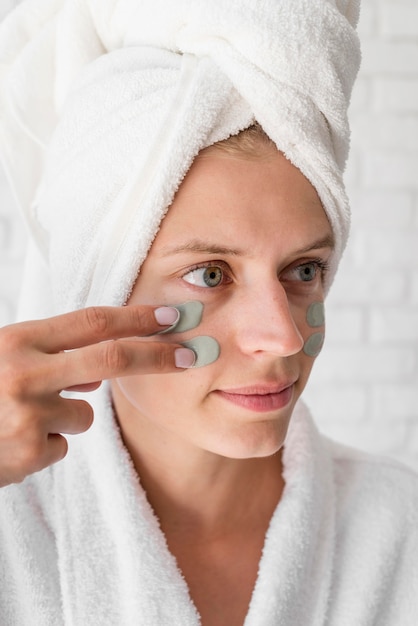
210,495
194,491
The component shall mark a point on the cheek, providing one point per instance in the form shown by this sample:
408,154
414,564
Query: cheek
146,393
138,390
163,394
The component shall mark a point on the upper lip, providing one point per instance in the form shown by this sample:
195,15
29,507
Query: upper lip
259,389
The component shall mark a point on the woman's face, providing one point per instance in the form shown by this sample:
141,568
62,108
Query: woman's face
249,239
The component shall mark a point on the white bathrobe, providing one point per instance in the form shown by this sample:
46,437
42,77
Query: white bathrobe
131,91
80,545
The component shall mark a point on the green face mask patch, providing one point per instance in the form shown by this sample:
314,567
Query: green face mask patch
313,344
190,317
207,349
315,315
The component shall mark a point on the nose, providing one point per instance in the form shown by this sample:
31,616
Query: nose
264,322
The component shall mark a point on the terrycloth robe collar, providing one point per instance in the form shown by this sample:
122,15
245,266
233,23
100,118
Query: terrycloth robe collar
80,543
114,564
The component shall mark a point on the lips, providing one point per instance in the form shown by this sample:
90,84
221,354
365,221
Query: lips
261,398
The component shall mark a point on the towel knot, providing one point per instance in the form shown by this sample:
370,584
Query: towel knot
106,103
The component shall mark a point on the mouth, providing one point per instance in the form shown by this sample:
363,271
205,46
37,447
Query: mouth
260,398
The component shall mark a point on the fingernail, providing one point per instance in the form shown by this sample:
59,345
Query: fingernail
183,357
190,316
166,315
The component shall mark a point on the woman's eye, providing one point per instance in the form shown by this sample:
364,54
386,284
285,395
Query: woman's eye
210,276
307,272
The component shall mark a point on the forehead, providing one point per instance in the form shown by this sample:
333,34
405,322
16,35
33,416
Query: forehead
254,201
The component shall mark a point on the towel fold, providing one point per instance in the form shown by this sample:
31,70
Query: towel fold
104,104
80,543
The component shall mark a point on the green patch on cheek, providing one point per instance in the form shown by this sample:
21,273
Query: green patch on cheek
190,317
313,344
206,349
315,315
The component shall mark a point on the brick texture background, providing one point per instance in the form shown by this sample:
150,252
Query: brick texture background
364,388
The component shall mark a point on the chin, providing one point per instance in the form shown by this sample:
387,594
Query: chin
249,442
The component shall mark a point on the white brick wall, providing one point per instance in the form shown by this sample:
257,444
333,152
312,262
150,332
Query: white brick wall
12,234
364,388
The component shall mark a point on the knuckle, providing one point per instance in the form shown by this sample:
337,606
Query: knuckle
113,357
15,380
26,444
19,370
62,453
60,450
12,338
97,320
142,317
163,358
22,426
85,415
30,455
88,417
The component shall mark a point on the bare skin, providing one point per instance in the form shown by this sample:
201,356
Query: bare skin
77,350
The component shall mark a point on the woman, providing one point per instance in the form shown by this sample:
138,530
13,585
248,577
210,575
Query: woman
202,491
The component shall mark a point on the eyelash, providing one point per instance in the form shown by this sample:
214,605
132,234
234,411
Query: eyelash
226,271
322,266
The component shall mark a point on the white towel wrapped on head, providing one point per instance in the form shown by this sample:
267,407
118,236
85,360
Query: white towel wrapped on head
116,98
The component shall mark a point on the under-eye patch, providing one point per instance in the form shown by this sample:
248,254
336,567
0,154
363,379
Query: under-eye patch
315,315
190,316
207,349
313,344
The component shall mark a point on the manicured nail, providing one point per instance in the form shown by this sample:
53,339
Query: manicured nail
190,316
166,315
183,357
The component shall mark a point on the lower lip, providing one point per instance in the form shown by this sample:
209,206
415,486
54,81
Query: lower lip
260,403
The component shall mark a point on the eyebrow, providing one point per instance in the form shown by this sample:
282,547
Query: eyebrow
205,247
325,242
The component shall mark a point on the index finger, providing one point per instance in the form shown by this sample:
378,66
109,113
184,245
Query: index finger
95,324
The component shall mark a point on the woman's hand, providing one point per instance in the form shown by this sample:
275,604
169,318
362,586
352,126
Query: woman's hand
75,351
